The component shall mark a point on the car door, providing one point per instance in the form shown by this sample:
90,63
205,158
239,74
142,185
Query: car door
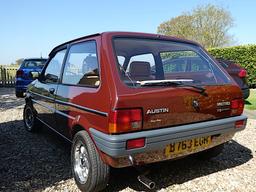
80,80
44,90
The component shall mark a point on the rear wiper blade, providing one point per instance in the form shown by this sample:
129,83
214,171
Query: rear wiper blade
163,82
201,89
172,82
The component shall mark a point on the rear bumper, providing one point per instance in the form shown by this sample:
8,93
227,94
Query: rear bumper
20,89
21,84
246,93
115,145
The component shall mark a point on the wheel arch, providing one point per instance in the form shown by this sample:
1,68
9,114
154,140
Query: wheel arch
76,128
28,98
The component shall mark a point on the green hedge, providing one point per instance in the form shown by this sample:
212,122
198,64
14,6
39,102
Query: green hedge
244,55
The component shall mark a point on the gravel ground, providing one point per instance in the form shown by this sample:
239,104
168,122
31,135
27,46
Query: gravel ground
40,162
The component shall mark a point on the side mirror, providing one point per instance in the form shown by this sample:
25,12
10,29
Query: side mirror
51,77
34,74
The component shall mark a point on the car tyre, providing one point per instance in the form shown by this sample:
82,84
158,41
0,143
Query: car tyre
210,153
29,118
19,94
90,172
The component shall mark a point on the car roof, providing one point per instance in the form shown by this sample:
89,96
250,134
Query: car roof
35,59
71,41
125,34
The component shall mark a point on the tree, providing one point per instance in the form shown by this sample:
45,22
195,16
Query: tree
17,62
208,25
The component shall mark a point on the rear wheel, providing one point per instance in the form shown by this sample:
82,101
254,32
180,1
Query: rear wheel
210,153
19,94
89,171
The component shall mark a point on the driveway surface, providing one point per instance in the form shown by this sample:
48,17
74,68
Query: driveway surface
41,161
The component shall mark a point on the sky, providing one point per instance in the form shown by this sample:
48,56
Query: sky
31,28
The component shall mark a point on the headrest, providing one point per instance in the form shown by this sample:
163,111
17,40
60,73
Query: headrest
140,69
91,61
89,64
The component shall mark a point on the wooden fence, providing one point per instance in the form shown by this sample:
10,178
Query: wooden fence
7,76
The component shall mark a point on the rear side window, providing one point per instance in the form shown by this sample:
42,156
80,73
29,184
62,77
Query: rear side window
81,67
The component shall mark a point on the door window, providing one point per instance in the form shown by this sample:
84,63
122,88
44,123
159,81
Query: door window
52,71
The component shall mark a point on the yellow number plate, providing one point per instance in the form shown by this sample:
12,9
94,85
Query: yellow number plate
187,145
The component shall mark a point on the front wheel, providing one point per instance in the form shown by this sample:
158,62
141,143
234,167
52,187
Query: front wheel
89,171
29,118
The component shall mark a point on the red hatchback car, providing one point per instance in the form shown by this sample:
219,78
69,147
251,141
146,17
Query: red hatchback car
238,73
116,100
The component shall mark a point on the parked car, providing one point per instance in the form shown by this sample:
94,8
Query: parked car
110,95
238,73
23,77
191,63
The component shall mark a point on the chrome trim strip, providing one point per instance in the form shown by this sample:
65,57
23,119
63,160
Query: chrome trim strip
53,110
46,97
74,105
83,108
45,106
66,115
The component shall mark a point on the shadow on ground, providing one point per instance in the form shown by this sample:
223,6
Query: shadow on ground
177,172
8,99
247,102
29,161
36,161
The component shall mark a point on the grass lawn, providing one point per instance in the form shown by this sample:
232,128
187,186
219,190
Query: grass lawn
250,103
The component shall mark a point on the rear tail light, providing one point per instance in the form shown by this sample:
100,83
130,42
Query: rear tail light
239,124
123,120
242,73
237,106
135,143
19,73
237,103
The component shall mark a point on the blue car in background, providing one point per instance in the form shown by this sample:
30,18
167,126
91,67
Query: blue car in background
23,76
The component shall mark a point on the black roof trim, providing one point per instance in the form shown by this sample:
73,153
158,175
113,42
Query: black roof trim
74,40
35,58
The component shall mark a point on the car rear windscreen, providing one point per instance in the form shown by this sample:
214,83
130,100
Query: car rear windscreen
155,60
33,63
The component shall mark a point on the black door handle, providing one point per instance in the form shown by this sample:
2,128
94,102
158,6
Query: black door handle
51,90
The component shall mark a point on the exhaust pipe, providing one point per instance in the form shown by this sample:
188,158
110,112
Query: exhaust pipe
142,178
146,181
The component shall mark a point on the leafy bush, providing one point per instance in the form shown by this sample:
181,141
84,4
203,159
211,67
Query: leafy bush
244,55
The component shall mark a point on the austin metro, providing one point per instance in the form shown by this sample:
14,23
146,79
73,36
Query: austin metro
113,96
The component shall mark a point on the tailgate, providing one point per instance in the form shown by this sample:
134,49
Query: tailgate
167,107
